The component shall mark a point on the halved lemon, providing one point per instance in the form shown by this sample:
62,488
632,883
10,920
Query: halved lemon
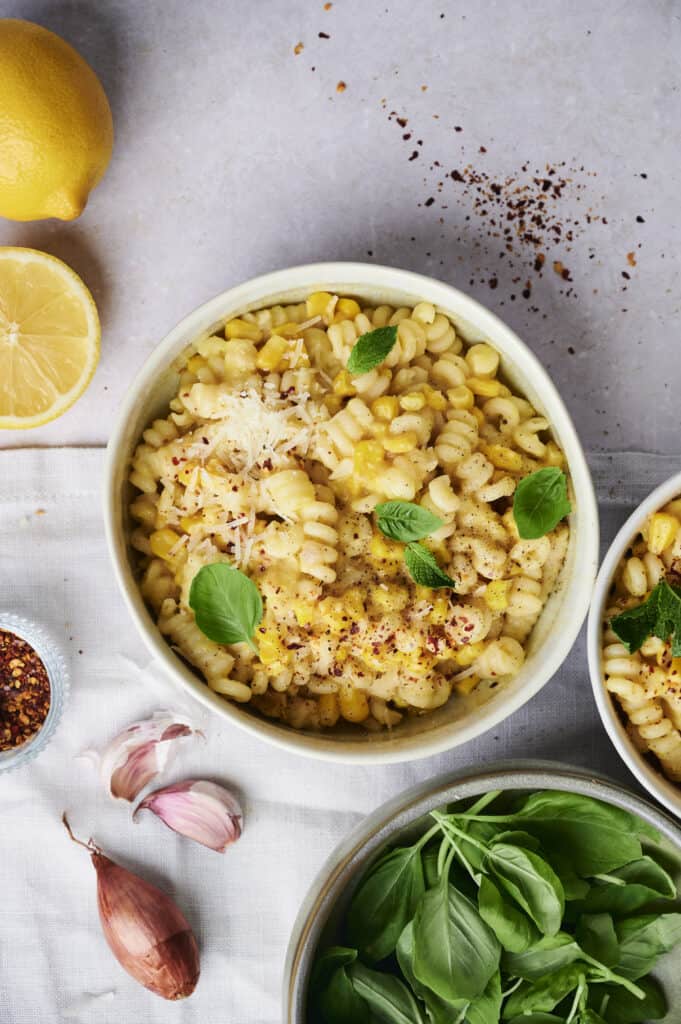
49,337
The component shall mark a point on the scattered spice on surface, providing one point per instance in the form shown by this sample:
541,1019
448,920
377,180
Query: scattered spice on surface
298,48
341,87
328,6
324,35
24,691
631,259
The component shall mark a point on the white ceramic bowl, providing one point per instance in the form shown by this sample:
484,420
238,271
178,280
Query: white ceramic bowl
646,773
562,617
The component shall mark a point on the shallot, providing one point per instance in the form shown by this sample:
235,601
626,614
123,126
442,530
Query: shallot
146,932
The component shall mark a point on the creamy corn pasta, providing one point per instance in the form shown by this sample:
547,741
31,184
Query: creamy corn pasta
647,683
273,458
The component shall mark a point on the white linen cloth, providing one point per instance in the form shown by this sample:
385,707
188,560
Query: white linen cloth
242,905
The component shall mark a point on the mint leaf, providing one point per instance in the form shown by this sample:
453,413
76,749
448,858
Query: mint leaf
423,568
659,615
226,604
540,502
371,349
405,521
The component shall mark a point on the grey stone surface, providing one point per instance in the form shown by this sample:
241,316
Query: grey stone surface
233,157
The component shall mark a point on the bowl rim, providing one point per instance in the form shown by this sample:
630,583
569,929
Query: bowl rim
375,829
577,590
654,781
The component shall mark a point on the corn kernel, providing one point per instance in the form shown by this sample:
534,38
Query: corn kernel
195,364
342,384
467,654
553,456
304,612
479,415
483,360
503,457
386,407
162,542
496,595
287,330
483,387
269,647
211,346
333,403
184,474
347,309
389,598
321,304
368,457
188,522
440,611
465,686
661,532
242,329
385,550
353,601
271,354
434,398
413,402
398,444
461,397
354,706
329,710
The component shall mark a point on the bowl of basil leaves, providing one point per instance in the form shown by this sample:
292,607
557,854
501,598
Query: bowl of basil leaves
525,894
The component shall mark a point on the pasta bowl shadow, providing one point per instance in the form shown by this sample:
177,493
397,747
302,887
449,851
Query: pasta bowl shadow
640,764
463,718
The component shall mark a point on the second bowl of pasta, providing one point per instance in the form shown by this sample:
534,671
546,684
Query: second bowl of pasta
349,511
634,643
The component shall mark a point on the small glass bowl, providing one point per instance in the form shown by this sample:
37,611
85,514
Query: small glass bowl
47,650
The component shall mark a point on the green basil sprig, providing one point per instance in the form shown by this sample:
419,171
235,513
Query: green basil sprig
371,349
226,604
540,502
659,615
405,521
423,568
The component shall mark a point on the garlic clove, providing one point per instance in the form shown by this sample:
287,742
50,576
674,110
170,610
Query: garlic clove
136,756
199,810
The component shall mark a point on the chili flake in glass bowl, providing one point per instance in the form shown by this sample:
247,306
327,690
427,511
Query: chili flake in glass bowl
33,688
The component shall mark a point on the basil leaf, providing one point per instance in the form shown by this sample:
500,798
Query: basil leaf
643,939
440,1011
429,859
595,933
622,1008
388,998
644,881
371,349
540,502
487,1007
659,615
455,952
512,928
544,994
549,954
331,990
385,901
531,882
226,604
598,836
423,568
406,521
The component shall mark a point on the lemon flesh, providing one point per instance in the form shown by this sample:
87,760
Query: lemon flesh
55,125
49,338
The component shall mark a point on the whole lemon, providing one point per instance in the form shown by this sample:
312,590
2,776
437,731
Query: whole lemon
56,132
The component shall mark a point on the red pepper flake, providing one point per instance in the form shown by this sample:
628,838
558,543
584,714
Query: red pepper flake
24,691
324,35
328,6
631,259
429,201
298,48
341,87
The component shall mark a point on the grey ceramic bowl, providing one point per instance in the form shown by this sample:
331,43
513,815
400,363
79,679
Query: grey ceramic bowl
401,818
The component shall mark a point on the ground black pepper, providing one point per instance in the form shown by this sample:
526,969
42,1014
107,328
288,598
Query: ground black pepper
24,691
